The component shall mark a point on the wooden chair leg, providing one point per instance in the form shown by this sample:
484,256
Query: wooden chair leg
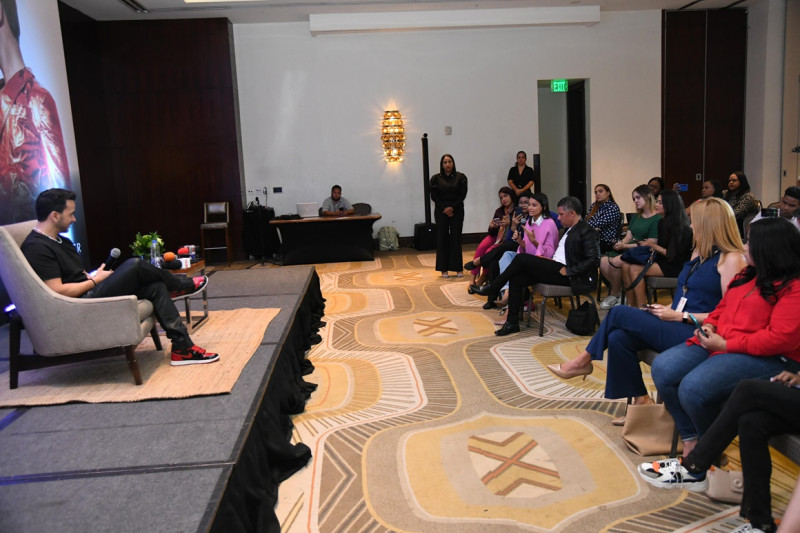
156,338
133,364
15,333
228,244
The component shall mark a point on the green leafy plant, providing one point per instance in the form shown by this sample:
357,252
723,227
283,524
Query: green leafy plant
141,244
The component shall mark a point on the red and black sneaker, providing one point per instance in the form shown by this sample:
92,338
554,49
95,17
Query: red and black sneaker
198,284
193,356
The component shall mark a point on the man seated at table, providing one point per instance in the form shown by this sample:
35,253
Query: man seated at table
335,205
57,263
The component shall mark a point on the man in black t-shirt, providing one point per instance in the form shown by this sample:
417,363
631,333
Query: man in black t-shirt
58,264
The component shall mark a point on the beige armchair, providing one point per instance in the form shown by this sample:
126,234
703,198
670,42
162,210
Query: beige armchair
63,329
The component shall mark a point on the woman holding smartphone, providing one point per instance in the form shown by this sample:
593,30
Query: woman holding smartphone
717,258
752,333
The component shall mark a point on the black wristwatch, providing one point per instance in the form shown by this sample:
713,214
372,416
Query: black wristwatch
685,318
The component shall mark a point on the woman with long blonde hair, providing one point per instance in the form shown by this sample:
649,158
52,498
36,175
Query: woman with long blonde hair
718,256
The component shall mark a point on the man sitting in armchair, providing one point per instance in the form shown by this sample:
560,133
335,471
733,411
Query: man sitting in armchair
57,263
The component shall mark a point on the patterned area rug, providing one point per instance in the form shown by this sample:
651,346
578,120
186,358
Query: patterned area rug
424,420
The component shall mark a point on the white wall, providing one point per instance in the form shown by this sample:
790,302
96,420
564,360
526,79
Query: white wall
310,107
763,117
553,144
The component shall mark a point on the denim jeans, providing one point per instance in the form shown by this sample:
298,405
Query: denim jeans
625,331
694,385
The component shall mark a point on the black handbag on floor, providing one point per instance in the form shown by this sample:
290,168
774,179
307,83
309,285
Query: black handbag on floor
582,321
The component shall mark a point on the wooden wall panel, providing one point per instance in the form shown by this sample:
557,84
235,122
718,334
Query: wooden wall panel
156,126
683,82
726,67
704,56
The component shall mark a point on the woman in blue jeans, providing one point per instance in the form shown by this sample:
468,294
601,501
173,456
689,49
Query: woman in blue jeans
717,258
754,332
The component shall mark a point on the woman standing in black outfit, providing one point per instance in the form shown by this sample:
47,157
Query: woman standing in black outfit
448,190
520,176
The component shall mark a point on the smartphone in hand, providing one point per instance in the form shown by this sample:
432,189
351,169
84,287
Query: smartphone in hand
697,325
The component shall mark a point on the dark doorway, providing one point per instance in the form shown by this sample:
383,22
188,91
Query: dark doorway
576,139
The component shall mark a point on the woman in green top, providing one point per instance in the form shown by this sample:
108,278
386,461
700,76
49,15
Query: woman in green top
643,227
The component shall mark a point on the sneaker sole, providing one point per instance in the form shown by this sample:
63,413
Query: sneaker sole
698,486
194,361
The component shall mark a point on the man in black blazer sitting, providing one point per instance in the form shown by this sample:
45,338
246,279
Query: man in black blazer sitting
575,263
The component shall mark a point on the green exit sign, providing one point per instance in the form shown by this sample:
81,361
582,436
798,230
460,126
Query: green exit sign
558,86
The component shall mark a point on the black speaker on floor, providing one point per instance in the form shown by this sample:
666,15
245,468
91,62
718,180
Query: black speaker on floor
425,236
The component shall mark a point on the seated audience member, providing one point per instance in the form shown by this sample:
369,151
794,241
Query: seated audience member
643,227
574,264
672,250
520,176
710,188
717,258
57,263
488,263
787,206
741,199
656,185
757,410
335,205
538,236
604,216
498,230
752,333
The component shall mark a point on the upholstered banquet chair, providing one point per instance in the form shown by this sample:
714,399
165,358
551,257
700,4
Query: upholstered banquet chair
63,329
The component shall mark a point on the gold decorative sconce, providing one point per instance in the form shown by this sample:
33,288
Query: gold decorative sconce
393,136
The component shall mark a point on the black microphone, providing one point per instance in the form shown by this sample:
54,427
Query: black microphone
113,255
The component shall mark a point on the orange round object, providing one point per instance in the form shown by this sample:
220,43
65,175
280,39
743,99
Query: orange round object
169,256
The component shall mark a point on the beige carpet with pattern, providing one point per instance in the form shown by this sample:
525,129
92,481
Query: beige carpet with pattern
235,335
425,421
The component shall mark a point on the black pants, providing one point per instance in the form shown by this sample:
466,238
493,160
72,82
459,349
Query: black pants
147,282
757,410
490,261
525,270
448,241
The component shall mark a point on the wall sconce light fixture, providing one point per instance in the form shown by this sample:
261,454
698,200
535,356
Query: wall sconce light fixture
393,136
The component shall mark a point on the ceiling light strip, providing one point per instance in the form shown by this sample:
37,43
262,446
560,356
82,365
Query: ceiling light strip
436,20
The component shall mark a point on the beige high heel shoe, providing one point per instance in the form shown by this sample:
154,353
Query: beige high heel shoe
582,371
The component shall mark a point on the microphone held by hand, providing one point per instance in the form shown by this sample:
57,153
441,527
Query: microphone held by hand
113,255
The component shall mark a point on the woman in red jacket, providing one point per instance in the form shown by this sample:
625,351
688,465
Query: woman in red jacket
753,332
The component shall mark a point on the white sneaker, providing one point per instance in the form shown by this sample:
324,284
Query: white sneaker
610,302
670,474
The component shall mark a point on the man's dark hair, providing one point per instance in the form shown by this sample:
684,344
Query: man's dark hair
793,192
11,17
571,203
336,187
52,200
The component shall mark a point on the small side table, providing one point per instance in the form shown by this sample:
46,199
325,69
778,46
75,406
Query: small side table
198,268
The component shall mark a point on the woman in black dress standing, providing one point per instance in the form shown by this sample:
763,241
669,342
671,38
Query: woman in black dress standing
520,176
448,190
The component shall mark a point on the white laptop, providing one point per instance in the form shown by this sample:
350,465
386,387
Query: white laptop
308,209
